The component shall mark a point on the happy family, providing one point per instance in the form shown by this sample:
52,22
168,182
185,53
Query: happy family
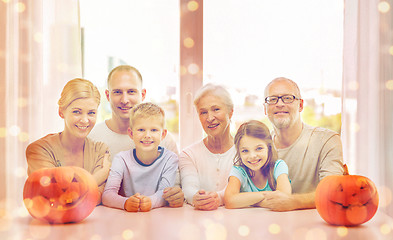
137,166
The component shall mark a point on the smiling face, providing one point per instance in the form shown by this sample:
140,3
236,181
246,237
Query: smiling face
80,117
125,91
214,115
147,133
283,115
253,152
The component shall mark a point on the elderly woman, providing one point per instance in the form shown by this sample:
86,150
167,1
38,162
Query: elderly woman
78,107
205,165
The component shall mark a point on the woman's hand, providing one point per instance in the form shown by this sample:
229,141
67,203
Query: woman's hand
203,200
174,196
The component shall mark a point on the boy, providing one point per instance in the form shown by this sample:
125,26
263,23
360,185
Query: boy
139,176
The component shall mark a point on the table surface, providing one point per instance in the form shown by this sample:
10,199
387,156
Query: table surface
186,223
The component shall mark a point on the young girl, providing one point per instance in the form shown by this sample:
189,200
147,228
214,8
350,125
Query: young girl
256,168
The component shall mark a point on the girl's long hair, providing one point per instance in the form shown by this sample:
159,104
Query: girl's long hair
258,130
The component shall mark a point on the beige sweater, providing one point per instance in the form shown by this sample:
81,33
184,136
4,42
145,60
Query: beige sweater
47,152
316,154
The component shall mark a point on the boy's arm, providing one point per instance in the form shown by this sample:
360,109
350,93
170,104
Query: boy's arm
111,197
167,180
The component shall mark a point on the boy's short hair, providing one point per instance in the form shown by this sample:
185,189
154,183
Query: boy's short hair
146,110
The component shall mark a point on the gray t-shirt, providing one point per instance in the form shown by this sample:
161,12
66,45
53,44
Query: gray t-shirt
316,154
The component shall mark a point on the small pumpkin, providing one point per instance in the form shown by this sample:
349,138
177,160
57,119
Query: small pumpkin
346,200
61,194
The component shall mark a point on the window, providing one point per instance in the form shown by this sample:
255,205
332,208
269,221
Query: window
140,33
262,40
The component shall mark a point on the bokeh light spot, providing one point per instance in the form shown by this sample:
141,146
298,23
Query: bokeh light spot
45,181
274,228
3,132
389,85
127,234
6,1
342,231
385,229
38,37
188,42
23,137
391,50
244,230
192,6
316,233
22,102
20,7
183,70
193,68
215,231
14,130
383,7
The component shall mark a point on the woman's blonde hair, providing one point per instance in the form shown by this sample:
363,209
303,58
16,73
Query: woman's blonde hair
258,130
76,89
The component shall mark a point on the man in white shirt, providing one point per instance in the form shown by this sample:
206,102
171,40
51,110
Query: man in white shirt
311,153
125,91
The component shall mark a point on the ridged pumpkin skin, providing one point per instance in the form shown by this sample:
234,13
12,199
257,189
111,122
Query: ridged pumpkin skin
61,194
346,200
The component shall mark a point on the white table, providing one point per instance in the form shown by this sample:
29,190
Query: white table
186,223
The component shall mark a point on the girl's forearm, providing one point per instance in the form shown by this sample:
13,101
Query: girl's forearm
244,199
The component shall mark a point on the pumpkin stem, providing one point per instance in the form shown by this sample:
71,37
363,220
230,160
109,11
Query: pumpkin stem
345,169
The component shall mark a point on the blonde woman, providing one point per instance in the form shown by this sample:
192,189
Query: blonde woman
78,106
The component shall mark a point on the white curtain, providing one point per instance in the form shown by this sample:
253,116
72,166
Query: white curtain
368,93
40,51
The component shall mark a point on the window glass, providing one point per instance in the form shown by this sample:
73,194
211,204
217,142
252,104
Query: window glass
248,45
140,33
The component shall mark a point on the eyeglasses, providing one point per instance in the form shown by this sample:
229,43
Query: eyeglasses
285,99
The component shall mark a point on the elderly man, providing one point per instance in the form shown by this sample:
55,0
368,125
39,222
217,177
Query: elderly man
125,91
311,153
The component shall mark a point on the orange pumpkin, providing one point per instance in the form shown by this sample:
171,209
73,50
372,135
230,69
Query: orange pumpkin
346,200
60,195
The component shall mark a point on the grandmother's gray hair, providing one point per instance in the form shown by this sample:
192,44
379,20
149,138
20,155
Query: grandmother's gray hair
215,90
